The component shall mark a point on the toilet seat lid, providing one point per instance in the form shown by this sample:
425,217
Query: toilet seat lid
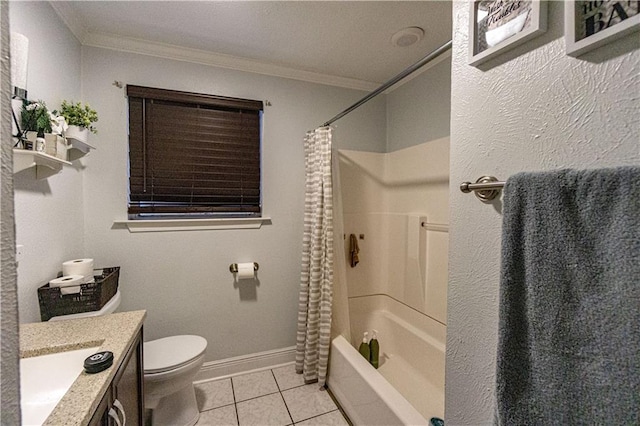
172,352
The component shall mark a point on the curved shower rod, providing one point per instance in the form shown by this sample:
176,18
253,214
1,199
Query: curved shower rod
407,71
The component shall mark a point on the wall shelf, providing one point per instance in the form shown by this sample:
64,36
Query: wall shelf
46,165
77,149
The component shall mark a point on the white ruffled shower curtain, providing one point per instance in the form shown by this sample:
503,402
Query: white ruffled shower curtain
316,282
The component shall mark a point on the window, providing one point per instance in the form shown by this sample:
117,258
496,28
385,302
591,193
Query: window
193,155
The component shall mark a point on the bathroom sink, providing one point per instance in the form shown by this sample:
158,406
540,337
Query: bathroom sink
45,379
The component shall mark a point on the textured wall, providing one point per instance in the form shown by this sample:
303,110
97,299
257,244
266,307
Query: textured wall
49,216
533,108
9,392
182,278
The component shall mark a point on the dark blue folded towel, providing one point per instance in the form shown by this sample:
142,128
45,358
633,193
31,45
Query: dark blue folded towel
569,336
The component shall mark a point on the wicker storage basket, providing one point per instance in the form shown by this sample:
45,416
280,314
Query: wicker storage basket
92,296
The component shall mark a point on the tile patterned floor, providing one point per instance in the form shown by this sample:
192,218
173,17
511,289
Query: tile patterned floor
275,397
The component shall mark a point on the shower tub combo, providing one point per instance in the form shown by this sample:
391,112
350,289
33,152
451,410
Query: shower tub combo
408,387
399,200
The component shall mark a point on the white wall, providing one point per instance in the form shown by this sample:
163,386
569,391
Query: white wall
183,278
49,214
420,109
531,109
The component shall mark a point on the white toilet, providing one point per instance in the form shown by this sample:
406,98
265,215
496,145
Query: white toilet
170,365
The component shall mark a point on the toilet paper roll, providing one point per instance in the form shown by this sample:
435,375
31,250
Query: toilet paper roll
69,284
82,267
246,271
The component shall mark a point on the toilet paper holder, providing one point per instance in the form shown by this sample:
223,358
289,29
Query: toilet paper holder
233,268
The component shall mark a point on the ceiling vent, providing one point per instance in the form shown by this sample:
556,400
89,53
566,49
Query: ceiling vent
407,36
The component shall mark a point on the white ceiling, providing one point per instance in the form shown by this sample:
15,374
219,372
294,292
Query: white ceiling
345,42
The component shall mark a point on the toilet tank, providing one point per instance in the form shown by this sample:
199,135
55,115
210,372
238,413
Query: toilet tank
109,308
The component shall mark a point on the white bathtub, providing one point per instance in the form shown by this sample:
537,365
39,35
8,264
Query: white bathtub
408,387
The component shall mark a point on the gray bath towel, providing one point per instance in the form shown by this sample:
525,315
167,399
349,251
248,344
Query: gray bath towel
569,337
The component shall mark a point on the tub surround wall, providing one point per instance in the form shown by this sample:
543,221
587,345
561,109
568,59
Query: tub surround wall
418,182
532,108
399,287
48,213
386,197
417,179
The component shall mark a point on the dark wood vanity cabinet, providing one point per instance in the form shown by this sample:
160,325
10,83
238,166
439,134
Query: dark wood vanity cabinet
125,398
101,416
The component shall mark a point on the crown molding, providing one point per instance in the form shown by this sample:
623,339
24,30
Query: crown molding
70,18
169,51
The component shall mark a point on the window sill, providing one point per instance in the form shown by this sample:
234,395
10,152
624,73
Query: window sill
166,225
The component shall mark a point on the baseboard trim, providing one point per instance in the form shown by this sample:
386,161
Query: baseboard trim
239,364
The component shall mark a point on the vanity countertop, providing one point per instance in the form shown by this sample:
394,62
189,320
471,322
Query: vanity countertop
114,332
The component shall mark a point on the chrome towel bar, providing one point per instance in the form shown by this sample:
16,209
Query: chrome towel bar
486,188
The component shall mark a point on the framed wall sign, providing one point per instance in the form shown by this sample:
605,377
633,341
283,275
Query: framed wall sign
590,24
498,25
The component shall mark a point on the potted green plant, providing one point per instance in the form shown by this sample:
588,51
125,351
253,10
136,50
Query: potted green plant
80,119
35,118
35,121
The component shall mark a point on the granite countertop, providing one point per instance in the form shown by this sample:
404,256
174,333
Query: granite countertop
114,332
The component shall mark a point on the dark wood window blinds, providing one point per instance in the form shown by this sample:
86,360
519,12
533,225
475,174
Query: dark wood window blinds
192,154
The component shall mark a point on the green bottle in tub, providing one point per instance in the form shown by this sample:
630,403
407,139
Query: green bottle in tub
374,349
364,347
